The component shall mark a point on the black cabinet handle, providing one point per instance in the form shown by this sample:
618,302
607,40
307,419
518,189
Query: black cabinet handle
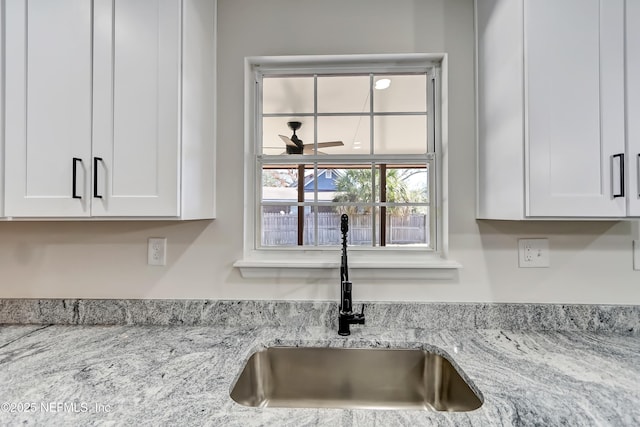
621,156
95,177
74,173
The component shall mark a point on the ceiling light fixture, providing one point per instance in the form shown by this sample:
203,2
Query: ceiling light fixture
383,84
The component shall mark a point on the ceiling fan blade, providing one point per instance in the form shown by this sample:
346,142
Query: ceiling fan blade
288,141
308,149
330,144
325,144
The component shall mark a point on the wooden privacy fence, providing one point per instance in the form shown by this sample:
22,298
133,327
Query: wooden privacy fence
282,229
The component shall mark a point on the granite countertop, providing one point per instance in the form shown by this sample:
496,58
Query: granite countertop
182,375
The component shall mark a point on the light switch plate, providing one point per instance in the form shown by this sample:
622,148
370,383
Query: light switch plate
533,253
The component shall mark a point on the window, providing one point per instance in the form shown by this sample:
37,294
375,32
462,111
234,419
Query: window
360,135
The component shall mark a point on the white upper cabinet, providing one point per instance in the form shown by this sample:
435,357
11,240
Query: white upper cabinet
633,105
136,107
47,107
575,103
551,109
1,117
99,93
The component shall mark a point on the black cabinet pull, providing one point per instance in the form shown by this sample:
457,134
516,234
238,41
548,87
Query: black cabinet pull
621,156
95,177
74,173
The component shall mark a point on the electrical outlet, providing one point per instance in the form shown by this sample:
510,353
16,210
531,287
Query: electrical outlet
157,251
533,253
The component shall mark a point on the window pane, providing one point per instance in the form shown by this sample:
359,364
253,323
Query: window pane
273,127
329,233
360,225
354,185
287,95
406,93
280,225
407,184
407,226
280,185
352,131
343,94
400,134
323,180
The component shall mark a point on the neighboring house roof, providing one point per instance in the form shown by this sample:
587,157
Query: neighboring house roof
326,181
290,195
326,188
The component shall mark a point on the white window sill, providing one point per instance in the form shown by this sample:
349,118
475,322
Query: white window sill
435,269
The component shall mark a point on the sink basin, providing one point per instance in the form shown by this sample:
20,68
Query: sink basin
318,377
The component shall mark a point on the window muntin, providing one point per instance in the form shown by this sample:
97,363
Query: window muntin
372,125
367,192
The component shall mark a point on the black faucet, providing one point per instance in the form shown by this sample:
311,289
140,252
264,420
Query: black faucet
346,316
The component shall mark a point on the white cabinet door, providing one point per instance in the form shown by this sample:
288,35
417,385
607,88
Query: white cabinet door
136,134
633,105
96,92
574,74
2,26
48,107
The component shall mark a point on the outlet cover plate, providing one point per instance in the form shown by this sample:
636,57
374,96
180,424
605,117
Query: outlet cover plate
533,253
157,251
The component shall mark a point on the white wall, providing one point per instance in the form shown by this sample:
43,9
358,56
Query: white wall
591,261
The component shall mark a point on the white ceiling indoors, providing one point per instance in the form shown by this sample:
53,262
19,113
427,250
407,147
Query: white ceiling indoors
293,97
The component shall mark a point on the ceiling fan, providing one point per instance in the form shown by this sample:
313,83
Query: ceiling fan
296,146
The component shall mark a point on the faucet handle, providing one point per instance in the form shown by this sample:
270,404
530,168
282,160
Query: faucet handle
359,317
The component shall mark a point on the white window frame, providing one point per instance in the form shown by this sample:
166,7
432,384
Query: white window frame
320,262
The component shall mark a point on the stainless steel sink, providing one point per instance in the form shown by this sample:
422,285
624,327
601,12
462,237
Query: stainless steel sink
310,377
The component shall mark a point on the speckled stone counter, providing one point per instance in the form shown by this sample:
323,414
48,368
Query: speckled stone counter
182,375
432,316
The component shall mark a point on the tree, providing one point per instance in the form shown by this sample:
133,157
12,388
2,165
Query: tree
279,177
353,186
356,186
